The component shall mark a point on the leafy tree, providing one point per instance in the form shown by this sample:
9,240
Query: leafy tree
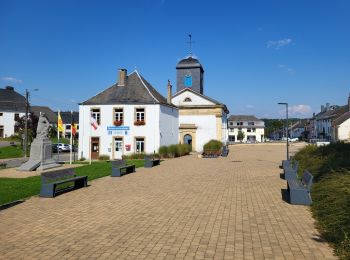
240,135
32,126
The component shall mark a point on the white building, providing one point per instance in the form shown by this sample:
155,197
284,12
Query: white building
252,128
201,118
67,118
132,117
12,106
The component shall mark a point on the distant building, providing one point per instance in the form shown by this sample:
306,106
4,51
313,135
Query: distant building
298,129
67,122
130,117
50,115
12,107
252,127
201,118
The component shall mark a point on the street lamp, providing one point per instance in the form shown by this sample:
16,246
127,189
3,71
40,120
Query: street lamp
286,104
26,122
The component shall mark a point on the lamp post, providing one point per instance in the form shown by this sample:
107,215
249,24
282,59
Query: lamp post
286,104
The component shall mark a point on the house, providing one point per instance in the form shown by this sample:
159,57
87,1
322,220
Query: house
67,118
341,126
201,118
252,128
12,107
128,117
298,129
50,115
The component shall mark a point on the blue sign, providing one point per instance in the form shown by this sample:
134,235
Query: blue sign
111,128
188,81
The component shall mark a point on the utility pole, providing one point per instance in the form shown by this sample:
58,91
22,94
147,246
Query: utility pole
26,125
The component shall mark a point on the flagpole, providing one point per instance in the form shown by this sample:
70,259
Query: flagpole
71,136
90,139
58,137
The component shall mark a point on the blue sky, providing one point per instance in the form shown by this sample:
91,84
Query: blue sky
254,53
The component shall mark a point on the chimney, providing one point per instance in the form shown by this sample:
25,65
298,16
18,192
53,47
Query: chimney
9,88
349,103
122,77
170,92
327,106
322,108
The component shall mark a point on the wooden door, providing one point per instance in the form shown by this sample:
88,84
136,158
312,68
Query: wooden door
95,147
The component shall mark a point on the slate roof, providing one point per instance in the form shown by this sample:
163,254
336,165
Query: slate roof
136,91
51,116
203,96
341,119
11,101
334,112
242,118
189,62
66,117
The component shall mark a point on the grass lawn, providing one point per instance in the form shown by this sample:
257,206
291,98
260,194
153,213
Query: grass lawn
15,189
10,152
330,166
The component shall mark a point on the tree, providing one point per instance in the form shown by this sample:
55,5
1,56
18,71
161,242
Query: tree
240,135
32,125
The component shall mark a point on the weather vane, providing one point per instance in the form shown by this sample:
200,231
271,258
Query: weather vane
190,42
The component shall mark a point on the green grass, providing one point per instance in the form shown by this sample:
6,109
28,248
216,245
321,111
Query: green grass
12,189
330,166
10,152
54,140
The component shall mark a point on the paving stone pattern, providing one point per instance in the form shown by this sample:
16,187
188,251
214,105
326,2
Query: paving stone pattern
186,208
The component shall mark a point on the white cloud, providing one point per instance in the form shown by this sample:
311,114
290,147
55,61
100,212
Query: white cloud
279,43
297,111
249,106
290,71
12,80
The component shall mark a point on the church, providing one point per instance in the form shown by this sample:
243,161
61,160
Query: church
201,118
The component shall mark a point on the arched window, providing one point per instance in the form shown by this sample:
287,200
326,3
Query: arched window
188,99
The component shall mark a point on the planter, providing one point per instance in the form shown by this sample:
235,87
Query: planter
139,123
117,123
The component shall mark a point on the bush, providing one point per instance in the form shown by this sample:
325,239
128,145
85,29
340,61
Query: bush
163,151
184,149
173,150
330,166
82,159
139,156
213,147
103,157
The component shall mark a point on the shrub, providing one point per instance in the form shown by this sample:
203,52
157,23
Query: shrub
103,157
173,150
139,156
82,159
184,149
163,151
212,147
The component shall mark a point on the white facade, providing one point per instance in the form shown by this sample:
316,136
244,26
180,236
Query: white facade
253,129
7,123
343,131
159,129
201,118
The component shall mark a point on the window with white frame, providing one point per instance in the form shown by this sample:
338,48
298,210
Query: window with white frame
96,113
254,130
140,114
250,123
239,123
249,130
118,114
140,144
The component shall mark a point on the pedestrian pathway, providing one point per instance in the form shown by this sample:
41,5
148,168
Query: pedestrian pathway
192,208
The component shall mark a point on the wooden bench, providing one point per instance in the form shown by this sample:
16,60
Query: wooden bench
119,168
291,170
225,151
150,161
299,190
60,180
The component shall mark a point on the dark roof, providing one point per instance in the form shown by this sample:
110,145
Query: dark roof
66,117
189,62
11,101
242,118
136,91
333,112
51,116
342,118
203,96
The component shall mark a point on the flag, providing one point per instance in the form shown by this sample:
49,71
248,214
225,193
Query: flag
74,126
93,122
59,123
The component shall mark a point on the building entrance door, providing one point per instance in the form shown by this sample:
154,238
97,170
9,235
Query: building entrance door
188,139
118,148
95,147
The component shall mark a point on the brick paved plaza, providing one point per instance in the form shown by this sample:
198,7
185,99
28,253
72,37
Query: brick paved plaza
225,208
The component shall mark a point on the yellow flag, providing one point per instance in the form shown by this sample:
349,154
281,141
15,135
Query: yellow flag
60,123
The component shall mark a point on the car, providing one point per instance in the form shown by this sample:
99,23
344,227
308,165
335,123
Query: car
60,147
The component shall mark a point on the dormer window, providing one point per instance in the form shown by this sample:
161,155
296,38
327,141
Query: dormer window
188,99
